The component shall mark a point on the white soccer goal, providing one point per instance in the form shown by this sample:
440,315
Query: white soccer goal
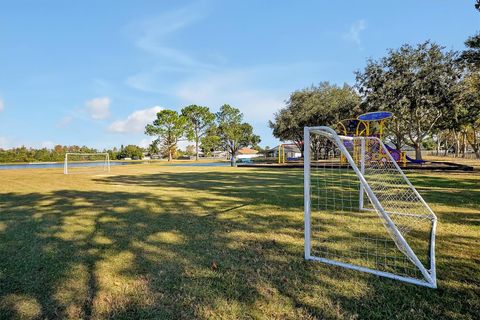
362,212
86,162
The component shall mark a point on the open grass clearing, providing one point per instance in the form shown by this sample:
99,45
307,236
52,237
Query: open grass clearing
153,241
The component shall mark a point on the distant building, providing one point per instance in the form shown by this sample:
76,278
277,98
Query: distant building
291,151
220,154
247,153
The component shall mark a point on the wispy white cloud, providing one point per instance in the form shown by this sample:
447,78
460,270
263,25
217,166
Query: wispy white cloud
208,80
2,104
136,121
94,109
152,35
65,121
98,108
47,144
354,32
233,87
4,143
198,79
144,81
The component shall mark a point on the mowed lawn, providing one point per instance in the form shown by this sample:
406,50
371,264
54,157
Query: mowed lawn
153,242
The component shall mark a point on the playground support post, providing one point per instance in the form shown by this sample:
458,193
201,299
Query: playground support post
281,154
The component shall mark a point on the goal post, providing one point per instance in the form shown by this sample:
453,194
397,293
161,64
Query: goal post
86,162
362,212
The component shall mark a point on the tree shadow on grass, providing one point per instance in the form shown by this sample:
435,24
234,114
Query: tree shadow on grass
284,189
277,188
93,254
449,191
167,256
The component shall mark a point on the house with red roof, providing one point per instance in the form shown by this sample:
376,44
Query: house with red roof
247,153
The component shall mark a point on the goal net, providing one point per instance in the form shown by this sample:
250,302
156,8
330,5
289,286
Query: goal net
362,212
86,163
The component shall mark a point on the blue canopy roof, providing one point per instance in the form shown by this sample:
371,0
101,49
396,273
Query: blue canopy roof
375,116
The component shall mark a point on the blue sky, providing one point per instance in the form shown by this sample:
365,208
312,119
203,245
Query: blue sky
94,72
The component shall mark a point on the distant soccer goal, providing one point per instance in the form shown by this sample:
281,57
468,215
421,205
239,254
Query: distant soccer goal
362,212
86,163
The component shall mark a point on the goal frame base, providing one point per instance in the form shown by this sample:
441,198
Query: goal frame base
373,271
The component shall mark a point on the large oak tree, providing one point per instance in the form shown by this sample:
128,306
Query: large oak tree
416,84
325,104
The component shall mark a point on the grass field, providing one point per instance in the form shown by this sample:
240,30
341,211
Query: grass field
475,163
153,242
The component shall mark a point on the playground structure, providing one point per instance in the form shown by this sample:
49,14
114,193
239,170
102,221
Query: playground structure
372,124
287,152
368,125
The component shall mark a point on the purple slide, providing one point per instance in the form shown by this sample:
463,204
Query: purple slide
396,155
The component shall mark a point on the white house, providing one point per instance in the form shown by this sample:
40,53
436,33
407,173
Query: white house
291,151
247,153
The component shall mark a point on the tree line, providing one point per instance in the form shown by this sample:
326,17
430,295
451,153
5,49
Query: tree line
224,130
57,153
433,93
